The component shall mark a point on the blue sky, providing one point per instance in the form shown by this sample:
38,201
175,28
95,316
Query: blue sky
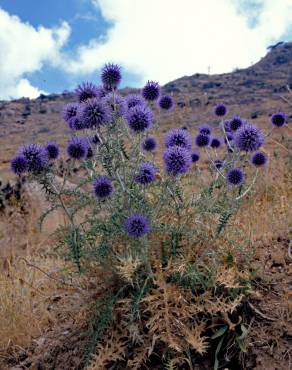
86,23
52,45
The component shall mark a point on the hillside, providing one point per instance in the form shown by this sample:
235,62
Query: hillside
255,91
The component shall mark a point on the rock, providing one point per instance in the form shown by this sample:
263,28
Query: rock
181,104
195,102
278,258
211,85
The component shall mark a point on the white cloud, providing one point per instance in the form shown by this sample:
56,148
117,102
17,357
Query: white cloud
24,49
155,39
26,90
165,39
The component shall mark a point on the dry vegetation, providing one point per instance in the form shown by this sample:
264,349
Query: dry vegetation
46,293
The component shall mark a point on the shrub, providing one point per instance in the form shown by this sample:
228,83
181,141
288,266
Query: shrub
159,231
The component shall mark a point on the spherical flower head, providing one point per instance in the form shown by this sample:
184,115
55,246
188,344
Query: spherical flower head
202,140
178,137
102,187
166,102
137,225
139,118
235,123
94,113
87,90
259,159
279,119
151,91
227,126
52,149
235,177
75,124
78,147
70,111
101,92
248,138
36,157
111,76
147,173
95,140
149,144
229,136
215,142
89,153
205,129
218,163
177,160
195,156
133,100
116,103
19,165
220,110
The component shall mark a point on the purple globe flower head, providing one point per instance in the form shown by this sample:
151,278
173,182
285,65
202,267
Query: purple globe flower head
133,100
70,111
215,142
101,92
259,159
220,110
166,102
75,124
53,150
89,153
205,129
177,160
19,165
178,137
151,91
235,123
36,157
137,225
149,144
229,136
195,156
219,163
279,119
248,138
78,147
202,140
95,140
111,76
116,104
102,187
147,173
94,113
235,177
87,90
227,126
139,118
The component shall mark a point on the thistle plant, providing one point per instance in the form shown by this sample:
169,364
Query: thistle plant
125,209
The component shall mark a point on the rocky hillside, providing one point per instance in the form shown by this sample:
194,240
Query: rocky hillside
255,92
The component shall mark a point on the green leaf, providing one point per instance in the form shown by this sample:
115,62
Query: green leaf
240,338
219,332
216,363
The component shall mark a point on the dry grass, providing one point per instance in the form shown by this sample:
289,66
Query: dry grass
25,295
